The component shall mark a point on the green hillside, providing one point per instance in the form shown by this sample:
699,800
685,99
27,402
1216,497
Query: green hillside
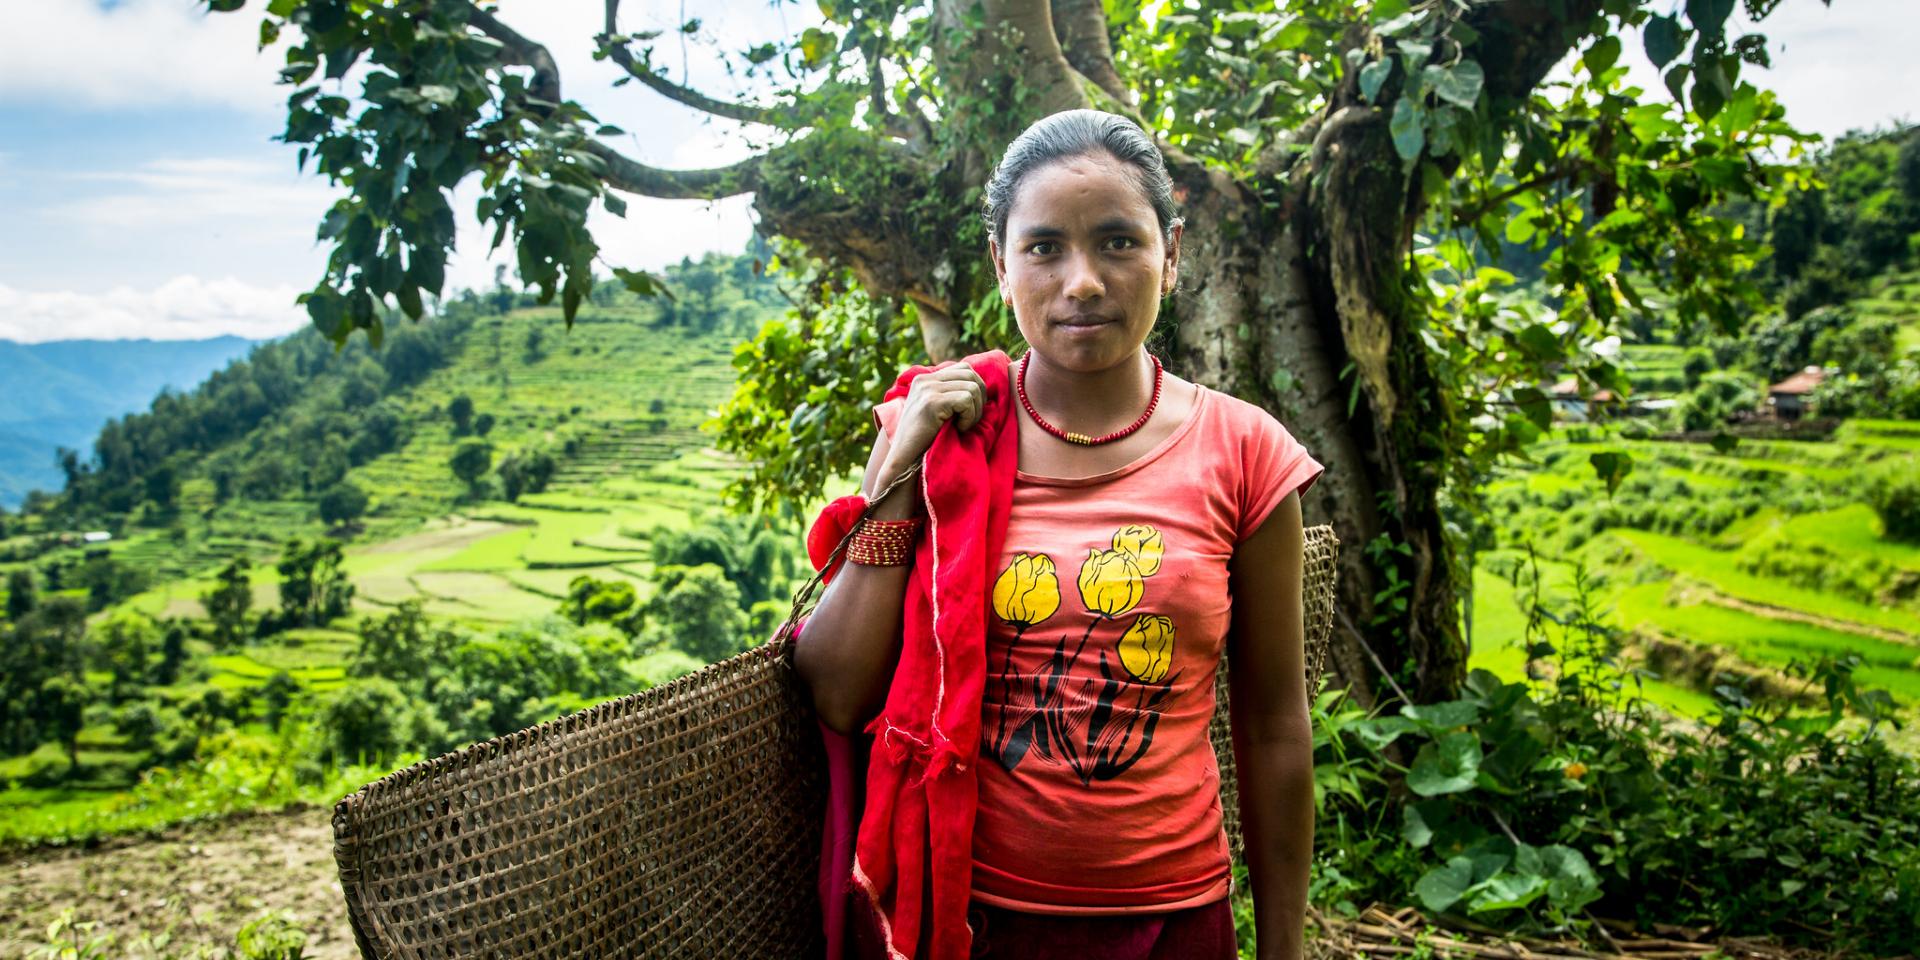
549,555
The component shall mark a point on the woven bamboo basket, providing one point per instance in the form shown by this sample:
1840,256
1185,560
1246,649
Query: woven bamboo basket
684,821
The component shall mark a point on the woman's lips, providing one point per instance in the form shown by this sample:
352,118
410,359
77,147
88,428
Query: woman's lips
1084,325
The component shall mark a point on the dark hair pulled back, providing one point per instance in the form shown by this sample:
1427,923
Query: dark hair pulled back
1074,133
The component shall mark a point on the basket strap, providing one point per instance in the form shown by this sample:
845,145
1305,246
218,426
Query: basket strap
781,645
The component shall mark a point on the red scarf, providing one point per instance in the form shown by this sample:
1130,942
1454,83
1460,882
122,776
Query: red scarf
914,854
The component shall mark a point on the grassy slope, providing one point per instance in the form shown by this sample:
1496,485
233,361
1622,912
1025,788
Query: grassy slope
483,562
1673,583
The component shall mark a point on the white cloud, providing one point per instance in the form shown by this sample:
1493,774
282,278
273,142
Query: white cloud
138,53
184,308
174,191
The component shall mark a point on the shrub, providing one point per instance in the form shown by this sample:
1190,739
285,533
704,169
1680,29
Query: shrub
364,719
1893,490
1524,806
342,503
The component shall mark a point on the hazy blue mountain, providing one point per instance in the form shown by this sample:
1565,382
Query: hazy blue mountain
60,393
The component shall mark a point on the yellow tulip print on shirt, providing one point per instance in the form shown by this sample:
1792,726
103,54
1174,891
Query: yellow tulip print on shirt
1099,727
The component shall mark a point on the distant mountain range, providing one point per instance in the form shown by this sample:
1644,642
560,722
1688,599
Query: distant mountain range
61,392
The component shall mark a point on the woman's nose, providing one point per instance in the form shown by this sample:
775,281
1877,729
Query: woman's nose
1083,280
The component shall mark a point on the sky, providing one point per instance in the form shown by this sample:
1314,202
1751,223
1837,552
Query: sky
143,195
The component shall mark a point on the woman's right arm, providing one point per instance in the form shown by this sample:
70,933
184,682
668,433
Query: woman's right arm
850,645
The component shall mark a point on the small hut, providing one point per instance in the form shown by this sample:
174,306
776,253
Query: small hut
1791,398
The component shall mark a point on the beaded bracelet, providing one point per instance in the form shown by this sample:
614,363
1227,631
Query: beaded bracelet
884,543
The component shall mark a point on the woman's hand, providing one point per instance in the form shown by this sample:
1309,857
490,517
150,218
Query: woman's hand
954,392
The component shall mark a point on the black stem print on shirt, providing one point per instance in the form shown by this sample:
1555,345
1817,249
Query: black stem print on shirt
1096,741
1006,692
1034,729
1107,738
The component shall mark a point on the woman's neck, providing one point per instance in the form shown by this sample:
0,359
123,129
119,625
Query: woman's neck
1093,402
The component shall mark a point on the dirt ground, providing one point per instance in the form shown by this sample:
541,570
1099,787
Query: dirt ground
200,883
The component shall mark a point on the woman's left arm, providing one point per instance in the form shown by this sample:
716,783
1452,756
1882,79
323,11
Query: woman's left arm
1272,739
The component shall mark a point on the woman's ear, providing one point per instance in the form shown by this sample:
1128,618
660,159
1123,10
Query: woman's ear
1170,275
999,270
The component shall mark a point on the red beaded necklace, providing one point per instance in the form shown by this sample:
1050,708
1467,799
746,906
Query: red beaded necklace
1020,386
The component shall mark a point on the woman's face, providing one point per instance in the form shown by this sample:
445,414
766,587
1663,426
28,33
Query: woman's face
1084,263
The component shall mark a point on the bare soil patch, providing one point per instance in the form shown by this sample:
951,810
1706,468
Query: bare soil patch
200,882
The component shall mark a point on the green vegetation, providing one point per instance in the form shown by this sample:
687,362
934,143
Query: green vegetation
294,643
1534,807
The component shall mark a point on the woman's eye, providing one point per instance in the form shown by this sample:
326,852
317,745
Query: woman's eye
1037,250
1129,241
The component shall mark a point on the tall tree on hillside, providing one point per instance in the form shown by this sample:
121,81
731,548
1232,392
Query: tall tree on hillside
470,461
20,596
460,411
1344,169
228,601
63,706
313,588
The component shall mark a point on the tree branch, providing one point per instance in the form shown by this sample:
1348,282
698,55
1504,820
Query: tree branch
1081,26
629,175
1498,199
746,113
522,52
621,172
1520,42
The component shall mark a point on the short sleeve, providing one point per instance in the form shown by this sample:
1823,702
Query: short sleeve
886,415
1274,464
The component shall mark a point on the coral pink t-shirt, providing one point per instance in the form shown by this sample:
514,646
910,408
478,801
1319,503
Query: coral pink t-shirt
1099,791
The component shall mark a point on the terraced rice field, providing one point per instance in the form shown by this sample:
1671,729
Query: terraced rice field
1766,554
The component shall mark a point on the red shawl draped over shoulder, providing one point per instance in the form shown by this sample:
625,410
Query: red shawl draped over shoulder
913,855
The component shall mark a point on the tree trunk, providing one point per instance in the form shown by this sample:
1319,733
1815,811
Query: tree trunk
1260,318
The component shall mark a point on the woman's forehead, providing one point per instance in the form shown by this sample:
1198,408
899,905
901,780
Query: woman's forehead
1087,192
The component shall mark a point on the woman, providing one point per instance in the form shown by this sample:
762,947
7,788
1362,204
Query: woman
1154,524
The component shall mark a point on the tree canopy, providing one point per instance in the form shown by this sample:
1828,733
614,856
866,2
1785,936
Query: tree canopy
1350,174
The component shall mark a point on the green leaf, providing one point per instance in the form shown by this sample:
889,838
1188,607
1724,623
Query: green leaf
1612,467
816,46
1535,406
1724,442
1601,57
1459,84
1380,731
1443,886
1438,717
1413,827
1447,765
225,6
1664,40
1520,229
1409,129
1538,340
642,283
1387,9
1372,76
1709,89
1677,82
1507,891
1571,883
409,297
1709,16
336,221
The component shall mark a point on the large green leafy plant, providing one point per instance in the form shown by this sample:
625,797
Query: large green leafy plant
1537,805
